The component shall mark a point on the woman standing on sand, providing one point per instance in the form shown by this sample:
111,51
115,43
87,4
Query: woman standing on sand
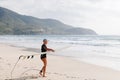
43,56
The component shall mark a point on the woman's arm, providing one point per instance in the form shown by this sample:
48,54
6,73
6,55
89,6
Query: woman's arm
48,49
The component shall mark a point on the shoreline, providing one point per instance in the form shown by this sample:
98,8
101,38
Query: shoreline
59,67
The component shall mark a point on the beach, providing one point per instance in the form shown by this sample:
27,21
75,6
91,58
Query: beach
58,68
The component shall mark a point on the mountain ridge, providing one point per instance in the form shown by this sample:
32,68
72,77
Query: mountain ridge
16,24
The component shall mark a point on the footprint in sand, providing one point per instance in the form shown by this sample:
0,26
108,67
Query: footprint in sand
65,75
25,78
8,64
89,79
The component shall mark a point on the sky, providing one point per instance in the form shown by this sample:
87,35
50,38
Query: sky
102,16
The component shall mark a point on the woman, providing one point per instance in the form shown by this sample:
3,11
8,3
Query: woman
44,49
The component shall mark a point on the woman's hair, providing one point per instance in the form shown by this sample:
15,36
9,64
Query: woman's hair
44,40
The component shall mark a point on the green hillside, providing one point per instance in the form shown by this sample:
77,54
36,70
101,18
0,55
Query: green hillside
13,23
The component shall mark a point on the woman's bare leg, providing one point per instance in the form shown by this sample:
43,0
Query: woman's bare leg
44,60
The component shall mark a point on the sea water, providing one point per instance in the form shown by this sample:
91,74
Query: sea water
100,50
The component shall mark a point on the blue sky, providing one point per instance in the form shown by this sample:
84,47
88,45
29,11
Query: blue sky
103,16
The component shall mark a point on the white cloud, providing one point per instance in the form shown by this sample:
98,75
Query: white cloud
100,15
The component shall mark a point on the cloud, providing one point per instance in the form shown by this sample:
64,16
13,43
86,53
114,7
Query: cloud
94,1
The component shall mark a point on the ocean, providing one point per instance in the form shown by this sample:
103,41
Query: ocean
99,50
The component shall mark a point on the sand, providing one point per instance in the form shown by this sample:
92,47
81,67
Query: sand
58,68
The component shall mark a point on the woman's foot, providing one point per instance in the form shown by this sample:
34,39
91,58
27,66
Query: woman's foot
40,72
44,76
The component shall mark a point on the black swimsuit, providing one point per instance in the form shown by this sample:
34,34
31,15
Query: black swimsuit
43,56
43,49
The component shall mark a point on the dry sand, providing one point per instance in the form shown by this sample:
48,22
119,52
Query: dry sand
58,68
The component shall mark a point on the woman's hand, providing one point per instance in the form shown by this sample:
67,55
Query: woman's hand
52,50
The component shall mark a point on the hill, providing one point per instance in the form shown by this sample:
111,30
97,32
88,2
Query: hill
13,23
